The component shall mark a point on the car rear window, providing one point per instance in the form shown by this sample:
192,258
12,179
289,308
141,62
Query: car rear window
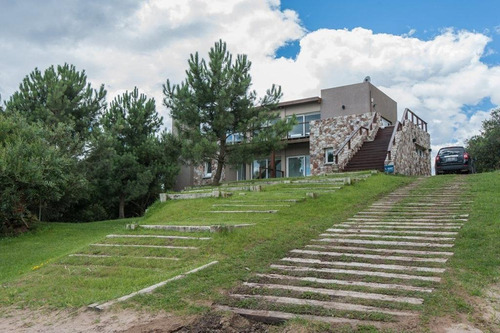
451,151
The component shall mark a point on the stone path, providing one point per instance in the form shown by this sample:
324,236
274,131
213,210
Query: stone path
374,268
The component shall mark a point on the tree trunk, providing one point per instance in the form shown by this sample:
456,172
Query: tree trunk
121,209
220,163
273,164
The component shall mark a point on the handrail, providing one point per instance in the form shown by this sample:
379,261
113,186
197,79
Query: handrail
414,119
393,139
347,141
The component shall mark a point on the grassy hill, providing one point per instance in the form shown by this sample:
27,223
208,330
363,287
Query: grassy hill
38,271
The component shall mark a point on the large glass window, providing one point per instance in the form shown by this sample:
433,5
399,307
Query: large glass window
302,127
262,168
299,166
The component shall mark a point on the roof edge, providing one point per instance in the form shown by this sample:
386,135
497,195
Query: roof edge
300,101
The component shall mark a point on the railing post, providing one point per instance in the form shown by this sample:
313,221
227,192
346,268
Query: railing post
349,144
389,155
337,159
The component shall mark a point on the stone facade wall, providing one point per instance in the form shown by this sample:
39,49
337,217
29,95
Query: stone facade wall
331,133
199,174
410,154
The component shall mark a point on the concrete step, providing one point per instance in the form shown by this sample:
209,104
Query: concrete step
445,239
374,285
325,304
148,246
391,243
337,292
273,317
357,272
369,256
364,265
414,232
379,250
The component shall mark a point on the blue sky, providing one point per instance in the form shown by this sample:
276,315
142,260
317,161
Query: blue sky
439,58
427,18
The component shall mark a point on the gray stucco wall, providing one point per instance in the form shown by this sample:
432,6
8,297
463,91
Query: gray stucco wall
357,99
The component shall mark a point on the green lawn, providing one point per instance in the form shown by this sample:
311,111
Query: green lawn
37,271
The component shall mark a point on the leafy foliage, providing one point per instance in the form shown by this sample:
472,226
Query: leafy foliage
129,162
32,171
60,95
62,161
486,146
215,102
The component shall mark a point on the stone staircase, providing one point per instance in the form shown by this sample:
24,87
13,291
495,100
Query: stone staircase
375,268
371,155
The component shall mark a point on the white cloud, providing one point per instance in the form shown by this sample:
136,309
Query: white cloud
144,43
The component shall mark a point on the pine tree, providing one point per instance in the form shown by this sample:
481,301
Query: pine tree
131,158
215,102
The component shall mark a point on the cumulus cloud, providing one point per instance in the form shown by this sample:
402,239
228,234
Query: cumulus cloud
142,43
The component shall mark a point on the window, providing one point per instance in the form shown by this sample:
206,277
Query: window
234,138
302,128
207,170
298,166
261,168
241,172
329,156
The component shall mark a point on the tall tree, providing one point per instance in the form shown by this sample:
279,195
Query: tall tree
215,102
60,95
485,148
32,171
132,156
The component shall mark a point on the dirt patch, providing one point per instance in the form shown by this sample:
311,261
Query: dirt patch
234,323
484,318
86,321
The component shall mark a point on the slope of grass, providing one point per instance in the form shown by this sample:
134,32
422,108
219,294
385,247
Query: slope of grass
475,266
49,242
74,282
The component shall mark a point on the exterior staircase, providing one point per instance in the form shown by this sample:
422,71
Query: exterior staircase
371,155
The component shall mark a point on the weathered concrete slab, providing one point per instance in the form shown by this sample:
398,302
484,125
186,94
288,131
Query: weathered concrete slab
371,219
371,249
158,236
364,265
336,292
347,283
386,236
413,232
148,246
361,241
325,304
101,307
357,272
402,223
272,317
197,228
369,256
249,205
109,256
385,226
270,211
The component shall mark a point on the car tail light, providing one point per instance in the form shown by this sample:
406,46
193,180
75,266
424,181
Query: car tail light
466,156
437,158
